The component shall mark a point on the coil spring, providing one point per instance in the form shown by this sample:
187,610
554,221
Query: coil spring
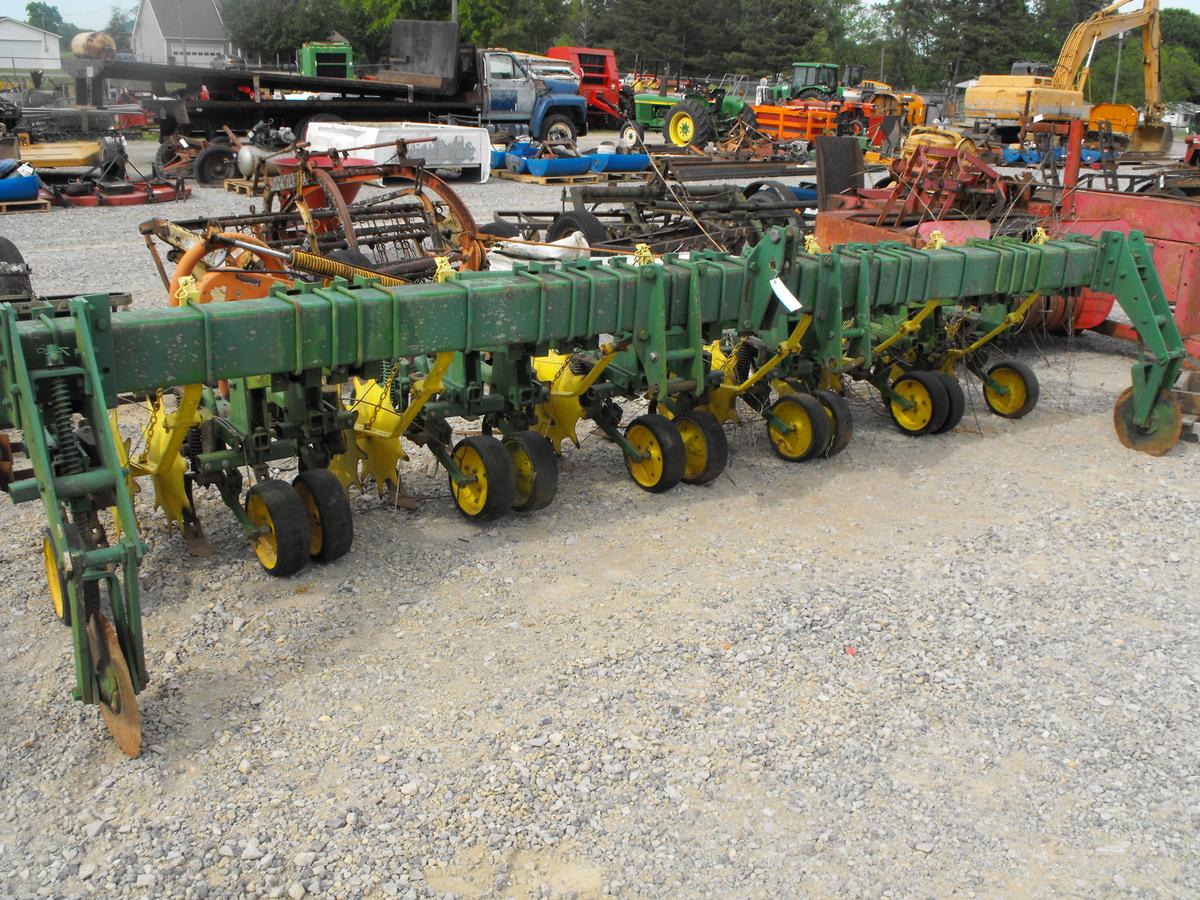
746,355
580,365
69,457
395,388
332,268
194,442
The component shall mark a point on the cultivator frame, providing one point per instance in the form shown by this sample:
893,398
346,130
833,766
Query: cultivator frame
478,345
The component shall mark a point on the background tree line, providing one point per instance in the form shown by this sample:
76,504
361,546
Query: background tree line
926,44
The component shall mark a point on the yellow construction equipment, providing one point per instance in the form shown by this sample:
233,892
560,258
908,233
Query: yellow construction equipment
1060,95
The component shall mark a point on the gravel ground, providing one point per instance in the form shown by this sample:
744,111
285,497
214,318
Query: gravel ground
957,665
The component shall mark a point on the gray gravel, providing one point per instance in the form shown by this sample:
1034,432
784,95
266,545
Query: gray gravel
954,665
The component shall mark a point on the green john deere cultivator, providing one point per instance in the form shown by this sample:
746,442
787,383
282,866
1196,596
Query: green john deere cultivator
336,376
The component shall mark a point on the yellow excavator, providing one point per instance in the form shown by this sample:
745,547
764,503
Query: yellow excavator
1059,95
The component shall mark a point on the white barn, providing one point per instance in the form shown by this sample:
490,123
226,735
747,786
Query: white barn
23,46
181,32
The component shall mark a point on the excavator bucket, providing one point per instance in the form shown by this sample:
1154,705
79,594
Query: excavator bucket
1155,138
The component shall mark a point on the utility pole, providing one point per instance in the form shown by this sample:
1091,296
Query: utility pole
453,10
1117,73
182,36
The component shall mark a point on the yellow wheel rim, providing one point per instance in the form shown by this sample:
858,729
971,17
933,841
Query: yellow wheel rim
1014,385
266,546
647,471
920,412
695,448
682,129
471,498
316,536
795,443
54,579
525,475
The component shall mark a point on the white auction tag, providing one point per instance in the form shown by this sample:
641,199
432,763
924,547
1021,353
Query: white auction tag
786,297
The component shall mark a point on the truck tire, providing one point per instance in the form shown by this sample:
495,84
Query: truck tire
302,133
689,123
214,164
585,223
558,128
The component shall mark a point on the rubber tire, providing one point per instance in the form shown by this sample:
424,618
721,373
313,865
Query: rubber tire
302,132
701,117
163,155
958,402
776,191
812,93
498,469
715,442
841,420
113,160
585,223
333,514
1033,389
209,169
290,520
630,129
540,452
550,121
353,258
819,420
16,285
939,401
674,459
500,228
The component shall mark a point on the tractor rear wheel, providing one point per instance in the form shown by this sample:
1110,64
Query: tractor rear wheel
689,123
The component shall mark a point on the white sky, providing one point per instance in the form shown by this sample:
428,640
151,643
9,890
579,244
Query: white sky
89,14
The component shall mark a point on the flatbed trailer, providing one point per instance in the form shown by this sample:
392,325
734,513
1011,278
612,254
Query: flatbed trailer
236,95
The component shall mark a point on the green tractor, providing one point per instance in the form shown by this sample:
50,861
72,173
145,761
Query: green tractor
689,119
816,81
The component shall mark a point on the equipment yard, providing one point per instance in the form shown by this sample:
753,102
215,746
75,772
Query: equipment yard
961,664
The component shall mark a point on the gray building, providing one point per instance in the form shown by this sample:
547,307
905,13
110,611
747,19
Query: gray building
182,32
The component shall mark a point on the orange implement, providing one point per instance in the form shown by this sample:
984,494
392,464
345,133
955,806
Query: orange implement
791,123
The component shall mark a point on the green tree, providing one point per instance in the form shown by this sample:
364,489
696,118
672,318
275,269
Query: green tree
120,26
1181,27
44,16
